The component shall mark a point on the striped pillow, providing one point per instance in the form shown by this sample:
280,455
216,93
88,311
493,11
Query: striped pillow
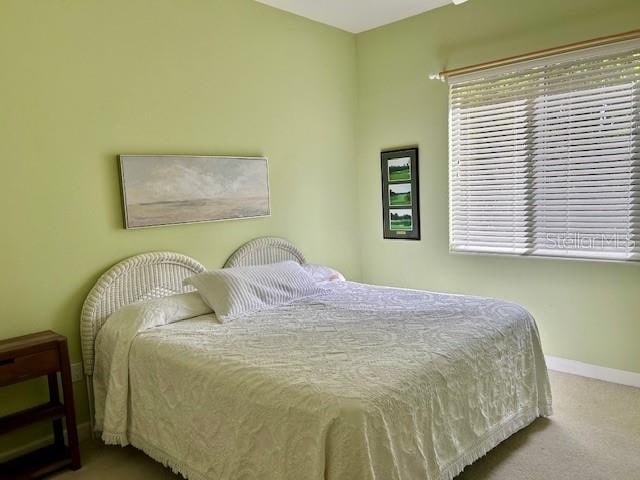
233,292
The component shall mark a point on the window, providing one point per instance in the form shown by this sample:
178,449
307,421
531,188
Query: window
545,157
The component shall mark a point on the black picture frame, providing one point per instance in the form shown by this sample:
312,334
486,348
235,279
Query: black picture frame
400,195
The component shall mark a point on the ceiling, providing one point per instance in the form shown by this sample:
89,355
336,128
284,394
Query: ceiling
356,16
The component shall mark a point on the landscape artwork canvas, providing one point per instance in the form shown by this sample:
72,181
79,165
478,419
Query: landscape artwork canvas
172,189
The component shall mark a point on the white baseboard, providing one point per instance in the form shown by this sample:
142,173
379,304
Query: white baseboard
593,371
84,432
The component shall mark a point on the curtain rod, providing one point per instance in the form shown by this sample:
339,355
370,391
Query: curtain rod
571,47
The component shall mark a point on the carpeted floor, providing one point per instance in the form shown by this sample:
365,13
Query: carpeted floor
594,434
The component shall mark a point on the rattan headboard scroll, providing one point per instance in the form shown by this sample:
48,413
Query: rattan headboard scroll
159,274
155,275
142,277
265,250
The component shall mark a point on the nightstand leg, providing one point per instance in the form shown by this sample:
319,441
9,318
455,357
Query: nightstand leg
70,410
54,396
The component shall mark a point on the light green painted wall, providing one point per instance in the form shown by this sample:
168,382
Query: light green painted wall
586,311
84,80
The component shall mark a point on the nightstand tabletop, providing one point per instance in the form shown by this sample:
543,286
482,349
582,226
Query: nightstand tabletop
27,343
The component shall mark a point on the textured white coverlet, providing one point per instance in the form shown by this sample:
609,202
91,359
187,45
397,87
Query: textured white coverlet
360,383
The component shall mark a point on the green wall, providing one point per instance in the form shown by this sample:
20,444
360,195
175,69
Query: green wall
587,311
84,80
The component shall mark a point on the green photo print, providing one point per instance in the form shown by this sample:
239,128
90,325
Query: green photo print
399,169
400,200
401,219
400,195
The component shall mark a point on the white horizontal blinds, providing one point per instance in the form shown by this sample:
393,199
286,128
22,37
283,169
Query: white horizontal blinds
546,160
584,164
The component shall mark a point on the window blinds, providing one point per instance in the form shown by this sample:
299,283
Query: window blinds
545,160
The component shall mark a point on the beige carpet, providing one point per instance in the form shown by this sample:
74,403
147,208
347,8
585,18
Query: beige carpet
593,434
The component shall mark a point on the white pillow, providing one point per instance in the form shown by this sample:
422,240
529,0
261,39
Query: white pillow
233,292
322,273
158,311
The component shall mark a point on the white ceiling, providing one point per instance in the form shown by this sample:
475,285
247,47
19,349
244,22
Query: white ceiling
356,15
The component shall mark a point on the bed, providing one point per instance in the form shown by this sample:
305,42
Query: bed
362,382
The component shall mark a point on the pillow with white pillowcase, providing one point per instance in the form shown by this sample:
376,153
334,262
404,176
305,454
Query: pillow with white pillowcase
238,291
322,273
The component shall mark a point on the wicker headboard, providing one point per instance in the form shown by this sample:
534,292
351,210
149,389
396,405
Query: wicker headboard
159,274
264,250
155,275
142,277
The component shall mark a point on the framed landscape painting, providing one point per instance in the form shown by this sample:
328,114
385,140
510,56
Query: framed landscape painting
173,189
400,199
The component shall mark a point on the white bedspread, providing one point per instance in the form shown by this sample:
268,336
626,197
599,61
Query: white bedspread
360,383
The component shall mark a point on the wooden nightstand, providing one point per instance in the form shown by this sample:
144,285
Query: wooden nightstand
24,358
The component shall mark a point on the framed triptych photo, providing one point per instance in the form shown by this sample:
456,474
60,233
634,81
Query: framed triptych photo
400,199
